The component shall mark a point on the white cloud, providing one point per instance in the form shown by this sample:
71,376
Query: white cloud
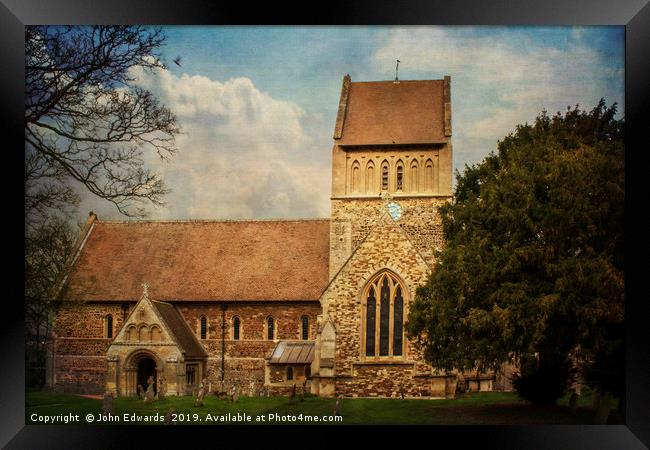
498,83
242,154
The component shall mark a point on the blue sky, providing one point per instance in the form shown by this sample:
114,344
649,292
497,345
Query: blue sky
258,104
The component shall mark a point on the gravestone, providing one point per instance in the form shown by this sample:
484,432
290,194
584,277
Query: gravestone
293,391
304,390
161,387
200,393
107,404
251,390
337,406
140,392
169,416
149,395
234,395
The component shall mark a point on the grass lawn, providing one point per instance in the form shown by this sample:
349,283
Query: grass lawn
484,408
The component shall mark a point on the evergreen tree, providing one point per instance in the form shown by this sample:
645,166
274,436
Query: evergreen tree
533,267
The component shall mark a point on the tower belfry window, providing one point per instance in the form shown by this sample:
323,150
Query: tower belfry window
384,176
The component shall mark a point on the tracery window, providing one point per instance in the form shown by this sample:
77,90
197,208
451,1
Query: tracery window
204,327
384,317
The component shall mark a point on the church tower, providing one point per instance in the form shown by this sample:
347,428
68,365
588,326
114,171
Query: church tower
392,148
391,169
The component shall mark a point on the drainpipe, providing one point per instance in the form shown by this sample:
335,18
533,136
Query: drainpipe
223,342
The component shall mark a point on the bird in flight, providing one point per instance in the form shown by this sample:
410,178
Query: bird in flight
177,61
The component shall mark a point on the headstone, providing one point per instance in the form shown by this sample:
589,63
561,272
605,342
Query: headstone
107,404
252,388
149,395
200,393
140,392
401,392
304,390
293,391
573,402
169,416
234,395
337,406
161,387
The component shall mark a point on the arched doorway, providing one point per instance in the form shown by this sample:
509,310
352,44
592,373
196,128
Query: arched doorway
146,369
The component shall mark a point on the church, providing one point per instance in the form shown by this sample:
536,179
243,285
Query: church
263,305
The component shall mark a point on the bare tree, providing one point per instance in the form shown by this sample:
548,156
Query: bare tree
87,120
48,248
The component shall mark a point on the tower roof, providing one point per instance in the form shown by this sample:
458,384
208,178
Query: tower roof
388,112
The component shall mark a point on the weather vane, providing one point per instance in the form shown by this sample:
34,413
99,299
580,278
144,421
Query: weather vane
396,69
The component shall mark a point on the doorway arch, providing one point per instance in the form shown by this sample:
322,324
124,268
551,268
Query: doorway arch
138,367
147,368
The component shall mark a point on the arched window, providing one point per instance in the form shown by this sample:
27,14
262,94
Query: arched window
414,176
204,327
235,328
354,182
399,176
428,175
384,329
384,176
109,326
305,327
270,328
370,177
143,334
289,373
156,334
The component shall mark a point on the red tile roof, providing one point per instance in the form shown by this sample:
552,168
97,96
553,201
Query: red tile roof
184,336
383,112
203,260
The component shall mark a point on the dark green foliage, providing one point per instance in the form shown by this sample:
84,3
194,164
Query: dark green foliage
533,261
542,382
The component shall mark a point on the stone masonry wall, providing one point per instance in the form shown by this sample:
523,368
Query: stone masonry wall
79,356
354,218
385,247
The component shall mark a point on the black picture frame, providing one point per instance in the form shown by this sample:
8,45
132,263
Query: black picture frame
633,14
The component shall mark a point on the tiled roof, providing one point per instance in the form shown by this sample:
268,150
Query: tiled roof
293,353
184,336
384,112
202,260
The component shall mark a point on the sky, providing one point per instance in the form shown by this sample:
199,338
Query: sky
257,105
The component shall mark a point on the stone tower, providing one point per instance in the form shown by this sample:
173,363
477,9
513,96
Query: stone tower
391,169
392,142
